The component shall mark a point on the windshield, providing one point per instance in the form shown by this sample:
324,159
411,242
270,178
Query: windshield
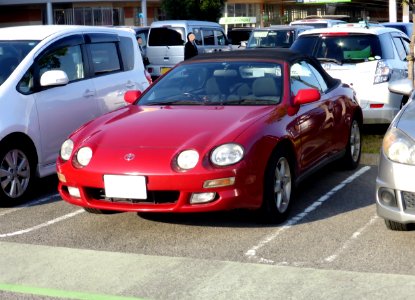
166,36
342,48
11,54
218,83
271,39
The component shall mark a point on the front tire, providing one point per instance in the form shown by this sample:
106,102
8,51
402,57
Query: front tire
278,189
17,174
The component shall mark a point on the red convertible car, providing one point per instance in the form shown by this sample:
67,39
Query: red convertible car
217,132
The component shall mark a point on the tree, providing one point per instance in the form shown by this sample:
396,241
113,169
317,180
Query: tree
410,57
205,10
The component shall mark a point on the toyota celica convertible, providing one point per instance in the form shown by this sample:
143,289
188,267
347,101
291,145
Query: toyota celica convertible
220,131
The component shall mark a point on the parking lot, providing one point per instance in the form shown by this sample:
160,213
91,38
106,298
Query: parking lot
334,245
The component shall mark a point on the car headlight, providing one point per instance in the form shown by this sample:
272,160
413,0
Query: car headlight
66,149
399,147
227,154
187,159
84,156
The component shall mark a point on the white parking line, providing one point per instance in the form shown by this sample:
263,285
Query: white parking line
31,203
252,253
354,236
64,217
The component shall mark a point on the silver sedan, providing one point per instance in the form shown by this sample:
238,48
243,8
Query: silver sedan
395,183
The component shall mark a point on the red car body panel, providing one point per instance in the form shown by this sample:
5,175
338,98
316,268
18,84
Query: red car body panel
157,134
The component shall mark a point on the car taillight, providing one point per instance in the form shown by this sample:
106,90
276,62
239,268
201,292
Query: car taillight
148,77
382,73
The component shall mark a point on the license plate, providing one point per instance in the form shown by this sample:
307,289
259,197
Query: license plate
125,186
164,70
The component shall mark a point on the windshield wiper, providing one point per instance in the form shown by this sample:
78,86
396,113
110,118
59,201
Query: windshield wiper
176,102
333,60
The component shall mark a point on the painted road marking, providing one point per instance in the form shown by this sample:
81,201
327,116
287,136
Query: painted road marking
31,290
45,224
252,253
28,204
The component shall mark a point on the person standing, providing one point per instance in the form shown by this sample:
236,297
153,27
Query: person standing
143,55
190,48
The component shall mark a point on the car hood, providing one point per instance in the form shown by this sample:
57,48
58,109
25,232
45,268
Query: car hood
406,121
172,126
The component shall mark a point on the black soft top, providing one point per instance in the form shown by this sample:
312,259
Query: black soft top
288,55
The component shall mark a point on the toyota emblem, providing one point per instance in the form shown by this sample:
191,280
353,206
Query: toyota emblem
129,156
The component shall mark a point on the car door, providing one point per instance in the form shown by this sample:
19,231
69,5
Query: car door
315,120
63,108
111,76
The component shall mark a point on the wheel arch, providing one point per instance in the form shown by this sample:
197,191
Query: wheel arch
20,138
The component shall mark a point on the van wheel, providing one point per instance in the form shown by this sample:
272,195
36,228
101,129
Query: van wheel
17,174
278,189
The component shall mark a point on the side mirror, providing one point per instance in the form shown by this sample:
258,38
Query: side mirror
132,95
54,78
306,96
401,86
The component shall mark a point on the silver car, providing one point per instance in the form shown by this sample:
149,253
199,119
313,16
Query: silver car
395,184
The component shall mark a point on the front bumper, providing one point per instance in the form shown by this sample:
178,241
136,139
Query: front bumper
396,179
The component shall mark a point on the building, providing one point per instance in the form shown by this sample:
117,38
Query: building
237,13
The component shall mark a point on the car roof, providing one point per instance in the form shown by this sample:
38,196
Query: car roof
254,54
284,27
376,30
40,32
317,20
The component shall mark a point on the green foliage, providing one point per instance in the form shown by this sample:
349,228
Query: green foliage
205,10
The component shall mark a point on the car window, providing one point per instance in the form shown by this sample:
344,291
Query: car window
11,54
400,48
221,38
213,83
68,59
104,58
166,36
303,77
305,44
127,53
208,37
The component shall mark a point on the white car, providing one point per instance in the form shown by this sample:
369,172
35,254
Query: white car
53,79
365,57
395,185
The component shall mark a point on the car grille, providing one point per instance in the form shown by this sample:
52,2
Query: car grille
155,197
409,201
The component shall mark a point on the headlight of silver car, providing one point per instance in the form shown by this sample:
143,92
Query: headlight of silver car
84,156
227,154
399,147
66,149
187,159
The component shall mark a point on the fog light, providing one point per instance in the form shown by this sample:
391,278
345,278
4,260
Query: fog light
387,197
219,182
61,177
74,192
202,197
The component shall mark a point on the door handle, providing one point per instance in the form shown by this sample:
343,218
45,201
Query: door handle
89,93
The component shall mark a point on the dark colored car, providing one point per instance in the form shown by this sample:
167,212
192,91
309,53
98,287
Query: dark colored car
238,35
277,36
219,131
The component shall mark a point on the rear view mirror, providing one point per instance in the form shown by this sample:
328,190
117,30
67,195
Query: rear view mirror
132,95
401,86
306,96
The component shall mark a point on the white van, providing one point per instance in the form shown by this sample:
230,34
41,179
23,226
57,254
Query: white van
53,79
166,39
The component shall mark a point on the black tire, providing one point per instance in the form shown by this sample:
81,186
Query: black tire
17,173
351,158
100,211
392,225
278,189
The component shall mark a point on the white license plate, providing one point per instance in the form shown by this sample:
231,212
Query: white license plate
125,186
